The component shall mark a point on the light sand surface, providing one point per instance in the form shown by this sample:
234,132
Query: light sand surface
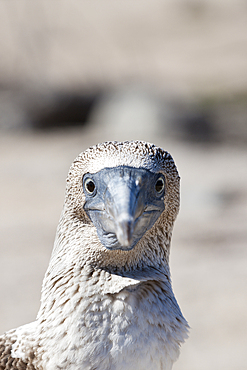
208,257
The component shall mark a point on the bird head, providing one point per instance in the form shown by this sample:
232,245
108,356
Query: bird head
124,191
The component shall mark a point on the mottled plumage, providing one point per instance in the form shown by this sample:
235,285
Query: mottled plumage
111,305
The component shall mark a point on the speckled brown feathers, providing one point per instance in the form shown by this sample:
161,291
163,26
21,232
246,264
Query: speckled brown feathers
101,308
7,362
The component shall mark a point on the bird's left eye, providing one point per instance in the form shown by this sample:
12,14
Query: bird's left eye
159,185
90,186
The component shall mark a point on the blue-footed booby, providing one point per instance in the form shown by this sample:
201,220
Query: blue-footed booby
107,301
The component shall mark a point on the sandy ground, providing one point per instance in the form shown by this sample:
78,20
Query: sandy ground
208,257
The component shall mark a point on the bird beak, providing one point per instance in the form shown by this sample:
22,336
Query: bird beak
124,203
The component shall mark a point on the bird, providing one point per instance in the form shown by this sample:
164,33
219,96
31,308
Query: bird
107,301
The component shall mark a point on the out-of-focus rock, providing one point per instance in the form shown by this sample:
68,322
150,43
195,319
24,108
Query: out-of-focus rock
210,121
65,109
45,109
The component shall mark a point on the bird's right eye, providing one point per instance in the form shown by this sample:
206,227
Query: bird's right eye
160,185
90,186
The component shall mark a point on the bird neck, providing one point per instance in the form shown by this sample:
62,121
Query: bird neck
79,296
79,259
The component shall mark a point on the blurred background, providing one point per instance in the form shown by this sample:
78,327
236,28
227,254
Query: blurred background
73,74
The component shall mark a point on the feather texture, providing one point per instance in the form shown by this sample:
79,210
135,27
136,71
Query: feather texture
105,309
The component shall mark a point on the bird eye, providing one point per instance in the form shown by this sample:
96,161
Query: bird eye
160,185
90,186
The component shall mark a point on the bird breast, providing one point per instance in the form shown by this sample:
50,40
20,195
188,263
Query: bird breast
128,329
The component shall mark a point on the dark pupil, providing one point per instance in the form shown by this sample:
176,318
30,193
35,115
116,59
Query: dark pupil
90,186
159,186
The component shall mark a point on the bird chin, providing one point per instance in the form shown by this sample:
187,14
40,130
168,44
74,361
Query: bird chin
110,242
120,247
